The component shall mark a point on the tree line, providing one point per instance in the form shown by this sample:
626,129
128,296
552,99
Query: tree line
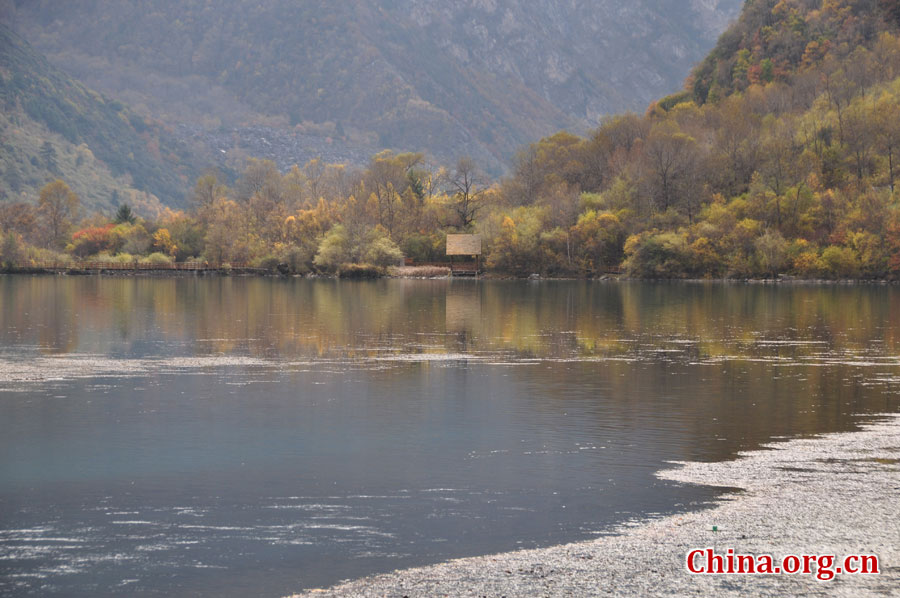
308,219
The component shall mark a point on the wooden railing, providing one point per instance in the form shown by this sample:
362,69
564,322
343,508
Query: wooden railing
125,266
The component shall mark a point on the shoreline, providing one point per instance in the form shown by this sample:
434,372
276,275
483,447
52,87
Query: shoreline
830,494
255,273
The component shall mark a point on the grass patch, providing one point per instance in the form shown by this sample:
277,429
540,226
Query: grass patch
420,271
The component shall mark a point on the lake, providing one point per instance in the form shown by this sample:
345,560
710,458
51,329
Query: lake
257,436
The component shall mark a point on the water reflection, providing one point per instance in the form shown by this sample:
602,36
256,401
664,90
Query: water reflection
247,436
736,348
294,318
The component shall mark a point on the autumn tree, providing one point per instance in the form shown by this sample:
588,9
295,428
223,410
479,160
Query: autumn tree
388,178
737,151
18,217
859,137
260,177
162,242
11,254
314,173
673,157
468,187
601,238
57,207
611,148
523,187
227,237
772,250
207,190
886,124
778,166
839,90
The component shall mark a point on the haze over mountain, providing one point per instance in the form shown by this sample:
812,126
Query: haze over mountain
52,126
477,77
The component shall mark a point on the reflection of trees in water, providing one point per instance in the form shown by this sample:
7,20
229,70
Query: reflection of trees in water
38,311
462,316
58,334
329,318
726,365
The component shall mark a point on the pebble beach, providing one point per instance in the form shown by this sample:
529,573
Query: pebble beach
832,494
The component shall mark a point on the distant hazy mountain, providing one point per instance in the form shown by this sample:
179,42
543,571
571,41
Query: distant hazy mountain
480,77
52,126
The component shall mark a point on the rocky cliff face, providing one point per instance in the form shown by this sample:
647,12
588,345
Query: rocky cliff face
480,77
587,59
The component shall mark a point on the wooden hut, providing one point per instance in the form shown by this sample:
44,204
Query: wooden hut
466,246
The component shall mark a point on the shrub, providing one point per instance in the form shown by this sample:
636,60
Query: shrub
382,252
91,240
132,238
340,246
157,259
102,257
807,264
424,248
661,255
871,253
119,258
706,259
599,238
516,248
11,253
298,260
771,249
840,262
124,258
334,249
267,262
48,256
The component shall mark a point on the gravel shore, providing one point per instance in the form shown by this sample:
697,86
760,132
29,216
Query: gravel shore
835,494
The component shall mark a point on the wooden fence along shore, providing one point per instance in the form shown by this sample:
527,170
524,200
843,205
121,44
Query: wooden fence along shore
94,266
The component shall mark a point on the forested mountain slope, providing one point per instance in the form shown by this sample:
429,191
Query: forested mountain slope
53,126
780,155
775,41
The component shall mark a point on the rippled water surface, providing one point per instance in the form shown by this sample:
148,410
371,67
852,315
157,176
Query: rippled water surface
234,437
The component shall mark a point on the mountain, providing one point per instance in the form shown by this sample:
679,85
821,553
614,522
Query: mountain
53,126
779,157
478,77
774,41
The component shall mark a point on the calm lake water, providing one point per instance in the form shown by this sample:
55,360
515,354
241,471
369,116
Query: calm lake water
236,437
